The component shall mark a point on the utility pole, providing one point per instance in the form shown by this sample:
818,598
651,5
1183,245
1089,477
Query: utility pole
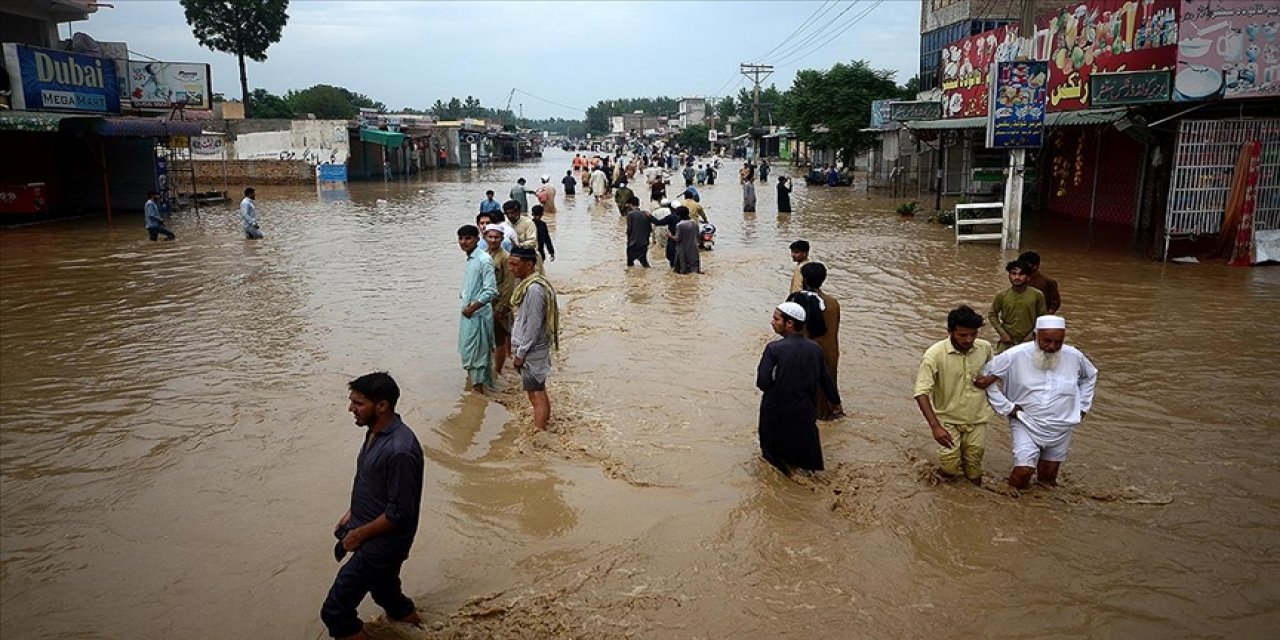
756,72
1017,157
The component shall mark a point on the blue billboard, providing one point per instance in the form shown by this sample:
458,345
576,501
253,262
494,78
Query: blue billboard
49,80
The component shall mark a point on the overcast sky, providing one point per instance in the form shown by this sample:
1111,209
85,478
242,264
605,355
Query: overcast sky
410,53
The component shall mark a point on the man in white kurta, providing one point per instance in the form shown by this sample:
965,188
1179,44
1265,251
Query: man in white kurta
1046,388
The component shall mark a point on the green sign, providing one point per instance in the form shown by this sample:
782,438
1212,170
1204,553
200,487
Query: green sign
1130,87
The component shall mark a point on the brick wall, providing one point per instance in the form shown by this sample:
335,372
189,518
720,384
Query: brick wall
241,173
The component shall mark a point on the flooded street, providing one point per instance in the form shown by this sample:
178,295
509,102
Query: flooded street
175,446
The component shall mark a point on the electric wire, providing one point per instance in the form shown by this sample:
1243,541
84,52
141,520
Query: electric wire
802,26
821,32
849,25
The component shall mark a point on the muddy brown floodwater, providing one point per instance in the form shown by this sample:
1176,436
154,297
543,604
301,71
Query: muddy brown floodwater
175,446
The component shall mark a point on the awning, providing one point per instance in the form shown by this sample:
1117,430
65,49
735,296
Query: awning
1084,117
979,122
388,139
127,127
33,122
1080,118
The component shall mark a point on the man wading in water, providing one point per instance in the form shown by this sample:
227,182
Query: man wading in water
790,373
379,528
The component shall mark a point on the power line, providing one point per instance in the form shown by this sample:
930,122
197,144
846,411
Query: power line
800,28
564,106
853,21
822,31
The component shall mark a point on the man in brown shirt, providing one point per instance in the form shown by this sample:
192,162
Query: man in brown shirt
1048,286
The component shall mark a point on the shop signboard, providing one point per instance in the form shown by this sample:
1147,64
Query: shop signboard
208,146
904,110
880,116
161,85
1018,99
1130,87
1104,36
1229,49
44,79
966,66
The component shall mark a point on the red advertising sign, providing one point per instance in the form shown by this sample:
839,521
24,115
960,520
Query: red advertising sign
1096,36
966,70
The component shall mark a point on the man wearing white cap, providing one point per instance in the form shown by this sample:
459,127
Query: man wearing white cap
547,195
790,373
1045,389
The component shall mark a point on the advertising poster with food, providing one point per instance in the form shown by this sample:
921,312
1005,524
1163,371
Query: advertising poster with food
1104,36
1018,96
1228,49
966,69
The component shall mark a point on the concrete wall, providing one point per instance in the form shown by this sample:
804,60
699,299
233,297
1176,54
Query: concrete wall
312,141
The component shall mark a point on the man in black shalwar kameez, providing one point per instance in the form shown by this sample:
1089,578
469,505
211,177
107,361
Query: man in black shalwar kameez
790,373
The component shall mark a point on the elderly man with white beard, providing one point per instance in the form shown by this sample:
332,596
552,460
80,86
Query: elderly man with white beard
1046,388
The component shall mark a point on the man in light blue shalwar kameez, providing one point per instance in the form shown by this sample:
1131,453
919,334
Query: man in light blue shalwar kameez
479,290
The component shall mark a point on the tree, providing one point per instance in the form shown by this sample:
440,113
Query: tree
910,89
694,138
770,105
828,109
269,105
328,102
244,28
725,108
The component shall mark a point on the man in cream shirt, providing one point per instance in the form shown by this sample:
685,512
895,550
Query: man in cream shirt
1046,388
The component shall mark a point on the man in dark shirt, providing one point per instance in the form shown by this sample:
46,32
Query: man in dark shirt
1048,286
545,247
790,372
379,527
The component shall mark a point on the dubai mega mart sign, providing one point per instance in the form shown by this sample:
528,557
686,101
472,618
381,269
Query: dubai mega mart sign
50,80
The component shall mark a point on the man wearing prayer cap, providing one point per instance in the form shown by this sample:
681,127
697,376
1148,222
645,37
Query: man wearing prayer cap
493,235
1046,388
790,373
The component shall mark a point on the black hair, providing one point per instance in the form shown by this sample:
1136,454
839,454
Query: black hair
964,316
813,274
468,231
800,326
489,192
682,212
152,193
249,191
800,245
633,200
520,181
484,214
815,323
511,204
377,386
1019,265
537,209
1030,257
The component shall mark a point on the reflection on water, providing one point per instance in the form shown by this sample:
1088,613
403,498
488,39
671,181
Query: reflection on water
175,448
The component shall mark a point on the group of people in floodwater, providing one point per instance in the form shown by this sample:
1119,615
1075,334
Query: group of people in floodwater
508,308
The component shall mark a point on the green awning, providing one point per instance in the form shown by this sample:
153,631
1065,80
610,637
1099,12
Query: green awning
388,139
1084,117
34,122
1080,118
948,123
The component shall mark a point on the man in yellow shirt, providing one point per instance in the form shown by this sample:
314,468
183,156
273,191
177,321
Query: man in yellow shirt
1014,310
800,256
951,395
